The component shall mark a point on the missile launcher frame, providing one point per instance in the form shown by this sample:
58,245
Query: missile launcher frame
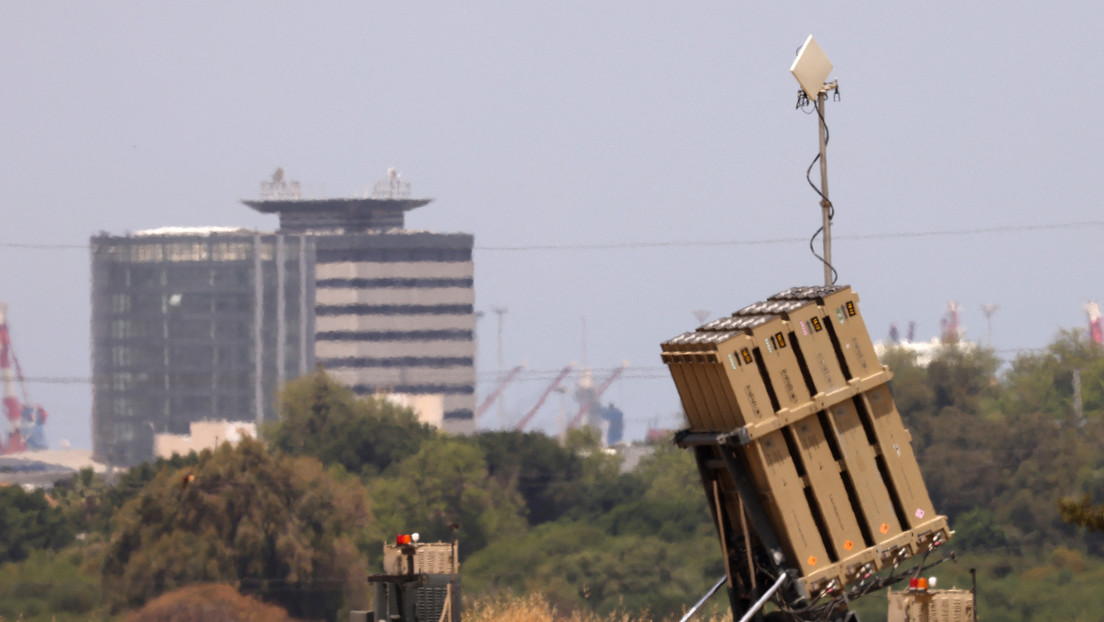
806,464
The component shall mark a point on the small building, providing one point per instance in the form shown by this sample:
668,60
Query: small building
428,408
202,435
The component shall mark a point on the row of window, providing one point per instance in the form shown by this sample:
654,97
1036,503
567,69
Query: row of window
176,303
399,362
415,389
227,404
396,335
395,283
384,255
193,358
365,309
241,248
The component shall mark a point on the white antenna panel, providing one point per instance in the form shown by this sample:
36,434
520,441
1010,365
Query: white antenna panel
811,68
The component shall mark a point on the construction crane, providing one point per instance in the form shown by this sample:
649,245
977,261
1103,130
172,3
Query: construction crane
498,390
544,396
590,400
25,421
1096,323
951,331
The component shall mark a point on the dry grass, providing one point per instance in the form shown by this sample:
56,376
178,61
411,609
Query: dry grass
536,608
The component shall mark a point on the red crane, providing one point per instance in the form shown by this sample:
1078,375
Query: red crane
952,333
593,399
498,390
1096,323
24,419
544,396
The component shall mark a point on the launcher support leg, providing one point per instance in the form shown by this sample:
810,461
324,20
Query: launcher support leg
758,516
738,577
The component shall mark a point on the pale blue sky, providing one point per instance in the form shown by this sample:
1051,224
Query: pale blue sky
620,125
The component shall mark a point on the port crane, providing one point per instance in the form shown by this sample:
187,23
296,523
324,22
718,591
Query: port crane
25,419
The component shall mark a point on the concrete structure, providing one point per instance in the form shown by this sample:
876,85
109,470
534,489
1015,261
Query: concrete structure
925,351
194,324
429,408
44,468
205,324
394,308
203,435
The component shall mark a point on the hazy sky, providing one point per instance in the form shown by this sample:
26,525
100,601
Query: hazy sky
623,162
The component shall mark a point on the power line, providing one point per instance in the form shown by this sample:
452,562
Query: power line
604,246
791,240
641,372
45,247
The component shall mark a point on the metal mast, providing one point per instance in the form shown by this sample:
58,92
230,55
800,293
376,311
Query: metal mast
811,68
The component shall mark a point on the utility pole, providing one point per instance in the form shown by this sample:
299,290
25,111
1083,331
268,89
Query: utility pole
825,204
500,311
811,68
583,333
989,309
1078,407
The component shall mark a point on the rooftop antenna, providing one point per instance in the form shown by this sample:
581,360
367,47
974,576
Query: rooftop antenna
811,68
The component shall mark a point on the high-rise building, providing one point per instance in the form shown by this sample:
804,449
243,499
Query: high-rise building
193,324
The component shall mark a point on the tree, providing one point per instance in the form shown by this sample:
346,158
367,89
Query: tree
1082,512
49,585
274,525
963,379
580,565
446,483
204,603
601,486
89,500
322,418
1043,382
667,500
544,472
29,522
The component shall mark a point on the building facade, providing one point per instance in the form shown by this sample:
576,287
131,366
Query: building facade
191,325
395,314
207,323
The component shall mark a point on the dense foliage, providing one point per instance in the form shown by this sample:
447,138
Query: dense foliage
298,521
205,603
446,484
52,587
274,525
29,522
999,451
321,418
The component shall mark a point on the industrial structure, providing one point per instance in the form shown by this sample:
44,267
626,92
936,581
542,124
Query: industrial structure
194,324
807,467
1096,323
25,420
920,604
806,464
606,419
420,583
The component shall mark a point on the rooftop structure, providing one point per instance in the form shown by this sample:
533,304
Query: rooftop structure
344,215
384,210
203,435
